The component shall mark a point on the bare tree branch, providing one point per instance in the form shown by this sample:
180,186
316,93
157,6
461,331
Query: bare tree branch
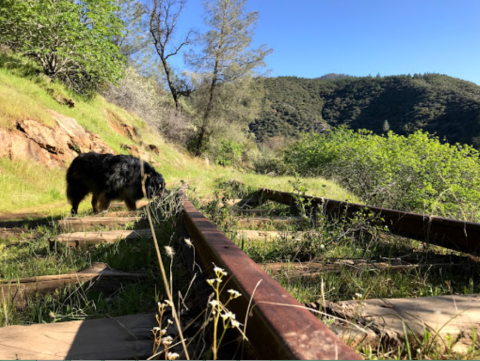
163,22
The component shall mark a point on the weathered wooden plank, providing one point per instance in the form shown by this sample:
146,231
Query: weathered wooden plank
314,269
122,206
19,290
137,213
81,239
261,221
126,337
252,212
448,317
91,223
272,235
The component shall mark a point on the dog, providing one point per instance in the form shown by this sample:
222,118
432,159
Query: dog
110,177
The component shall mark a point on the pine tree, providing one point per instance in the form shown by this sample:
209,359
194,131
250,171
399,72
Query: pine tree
226,56
386,126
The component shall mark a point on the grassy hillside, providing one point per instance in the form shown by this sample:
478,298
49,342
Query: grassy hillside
436,103
26,186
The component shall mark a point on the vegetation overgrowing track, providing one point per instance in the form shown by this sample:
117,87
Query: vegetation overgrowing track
459,236
279,327
449,233
276,324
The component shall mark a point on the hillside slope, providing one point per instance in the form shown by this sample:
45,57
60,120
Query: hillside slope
30,185
436,103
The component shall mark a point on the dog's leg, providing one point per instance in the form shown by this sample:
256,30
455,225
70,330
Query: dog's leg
74,210
104,202
131,204
94,203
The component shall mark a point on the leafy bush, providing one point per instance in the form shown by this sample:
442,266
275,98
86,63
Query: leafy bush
229,153
70,40
415,173
269,162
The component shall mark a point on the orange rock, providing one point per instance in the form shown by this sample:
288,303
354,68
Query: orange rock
51,146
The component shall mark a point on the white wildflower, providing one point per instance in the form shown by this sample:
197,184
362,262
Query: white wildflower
234,294
188,242
235,323
167,341
156,329
214,303
211,281
169,250
173,355
224,316
228,315
170,322
218,269
219,280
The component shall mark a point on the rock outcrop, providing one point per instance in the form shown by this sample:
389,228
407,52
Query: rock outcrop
53,147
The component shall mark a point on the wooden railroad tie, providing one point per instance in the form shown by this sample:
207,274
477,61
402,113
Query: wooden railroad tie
270,236
19,290
275,221
92,223
449,319
312,270
122,206
121,338
83,239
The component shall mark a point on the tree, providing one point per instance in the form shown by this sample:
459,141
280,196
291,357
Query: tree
226,57
163,22
136,36
72,40
386,126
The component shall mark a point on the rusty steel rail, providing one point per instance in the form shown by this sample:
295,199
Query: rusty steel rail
448,233
279,327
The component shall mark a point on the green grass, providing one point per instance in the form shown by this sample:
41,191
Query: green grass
22,188
20,259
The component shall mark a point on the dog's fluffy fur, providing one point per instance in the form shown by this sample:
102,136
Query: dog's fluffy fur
110,177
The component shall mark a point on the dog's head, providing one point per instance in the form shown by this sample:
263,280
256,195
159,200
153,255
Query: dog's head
154,184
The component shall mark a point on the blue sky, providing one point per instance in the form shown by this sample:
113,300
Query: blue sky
311,38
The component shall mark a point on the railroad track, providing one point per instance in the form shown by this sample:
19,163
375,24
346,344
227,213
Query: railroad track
279,327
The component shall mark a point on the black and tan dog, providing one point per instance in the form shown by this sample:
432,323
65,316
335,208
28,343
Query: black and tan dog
110,177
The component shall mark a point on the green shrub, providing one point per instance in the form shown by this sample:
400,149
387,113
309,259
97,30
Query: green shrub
270,162
229,153
415,173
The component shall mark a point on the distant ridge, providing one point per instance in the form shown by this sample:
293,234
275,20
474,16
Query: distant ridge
440,104
334,76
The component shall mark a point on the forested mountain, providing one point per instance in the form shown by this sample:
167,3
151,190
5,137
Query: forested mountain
439,104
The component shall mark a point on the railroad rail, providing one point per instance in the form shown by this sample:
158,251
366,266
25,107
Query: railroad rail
448,233
279,327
